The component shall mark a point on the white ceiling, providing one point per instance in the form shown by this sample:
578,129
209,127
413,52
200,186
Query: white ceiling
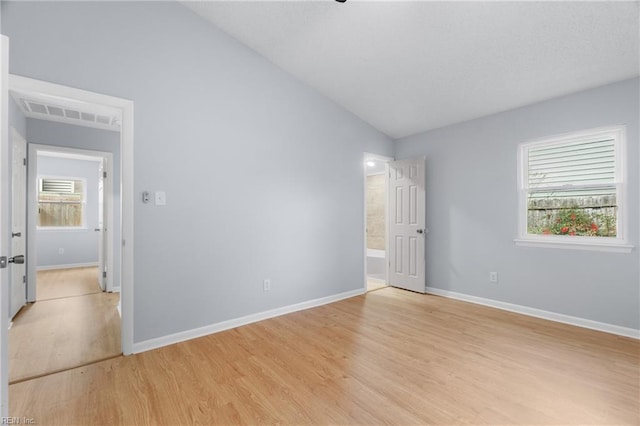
409,66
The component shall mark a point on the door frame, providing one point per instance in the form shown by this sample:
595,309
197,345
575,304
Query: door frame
125,107
104,195
32,205
14,135
4,224
369,156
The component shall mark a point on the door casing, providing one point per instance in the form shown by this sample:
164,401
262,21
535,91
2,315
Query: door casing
4,224
17,283
103,205
369,156
32,206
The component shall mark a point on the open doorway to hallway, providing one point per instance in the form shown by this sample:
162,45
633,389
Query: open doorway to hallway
73,318
376,213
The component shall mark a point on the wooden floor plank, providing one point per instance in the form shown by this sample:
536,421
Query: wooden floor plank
387,357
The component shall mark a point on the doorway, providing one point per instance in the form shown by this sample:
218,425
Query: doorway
376,223
71,204
123,168
75,319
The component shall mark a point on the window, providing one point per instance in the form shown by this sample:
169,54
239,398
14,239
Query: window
61,203
572,191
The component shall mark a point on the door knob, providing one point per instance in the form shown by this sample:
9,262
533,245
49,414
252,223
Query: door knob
97,229
420,231
16,234
18,260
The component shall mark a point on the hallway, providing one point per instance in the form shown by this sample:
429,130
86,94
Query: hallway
72,323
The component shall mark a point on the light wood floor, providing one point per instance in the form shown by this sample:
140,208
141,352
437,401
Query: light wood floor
56,283
373,284
388,357
64,332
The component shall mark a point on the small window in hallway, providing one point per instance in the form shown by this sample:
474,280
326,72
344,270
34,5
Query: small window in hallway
61,203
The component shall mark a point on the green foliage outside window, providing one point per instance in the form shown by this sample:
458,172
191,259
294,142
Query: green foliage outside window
575,221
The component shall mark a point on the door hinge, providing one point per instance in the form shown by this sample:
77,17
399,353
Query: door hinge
24,161
104,175
24,279
104,274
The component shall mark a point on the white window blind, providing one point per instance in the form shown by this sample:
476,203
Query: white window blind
572,170
57,186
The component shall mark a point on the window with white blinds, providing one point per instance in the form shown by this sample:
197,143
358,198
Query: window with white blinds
571,187
61,203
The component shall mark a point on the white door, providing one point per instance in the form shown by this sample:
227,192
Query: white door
4,224
100,228
18,283
407,224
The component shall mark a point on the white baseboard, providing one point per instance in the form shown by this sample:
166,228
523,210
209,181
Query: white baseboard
69,266
539,313
182,336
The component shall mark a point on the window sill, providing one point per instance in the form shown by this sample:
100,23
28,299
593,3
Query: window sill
575,244
62,228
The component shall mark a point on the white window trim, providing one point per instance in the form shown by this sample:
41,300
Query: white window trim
617,244
83,226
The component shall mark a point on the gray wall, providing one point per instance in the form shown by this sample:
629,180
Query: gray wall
472,210
58,134
80,245
241,148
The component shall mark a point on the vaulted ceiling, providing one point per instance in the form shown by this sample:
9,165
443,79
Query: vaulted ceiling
410,66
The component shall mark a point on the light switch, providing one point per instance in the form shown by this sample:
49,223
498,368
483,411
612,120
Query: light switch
161,198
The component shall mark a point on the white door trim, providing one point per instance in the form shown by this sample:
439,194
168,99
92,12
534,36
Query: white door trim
125,107
17,138
32,205
369,156
4,225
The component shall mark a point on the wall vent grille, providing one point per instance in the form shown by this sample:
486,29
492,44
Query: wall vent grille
47,111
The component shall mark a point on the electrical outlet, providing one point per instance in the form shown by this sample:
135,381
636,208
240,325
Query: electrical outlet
60,251
266,284
493,277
